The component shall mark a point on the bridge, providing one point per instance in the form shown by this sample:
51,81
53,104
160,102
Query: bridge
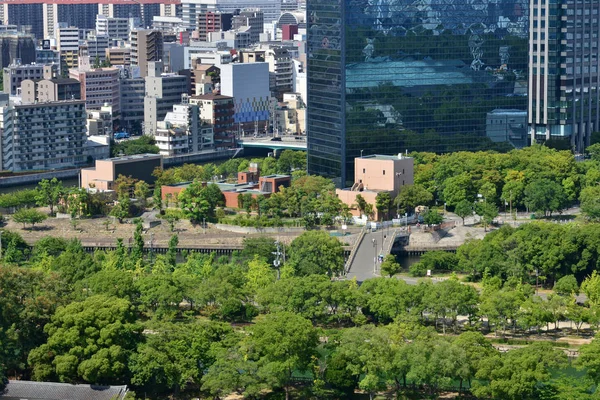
364,261
274,143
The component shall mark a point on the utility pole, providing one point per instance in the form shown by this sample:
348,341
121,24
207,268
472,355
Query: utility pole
277,261
204,225
510,202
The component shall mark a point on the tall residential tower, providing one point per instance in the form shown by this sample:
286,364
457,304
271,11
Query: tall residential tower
564,100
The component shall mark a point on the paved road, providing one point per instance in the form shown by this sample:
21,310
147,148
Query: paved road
364,266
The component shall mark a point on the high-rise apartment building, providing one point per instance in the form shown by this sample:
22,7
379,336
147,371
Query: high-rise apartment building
80,14
163,91
252,18
99,87
212,21
183,131
564,45
394,76
67,44
114,28
42,135
146,46
28,16
218,110
15,47
192,8
133,89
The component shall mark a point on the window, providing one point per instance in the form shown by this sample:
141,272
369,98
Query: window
384,172
364,170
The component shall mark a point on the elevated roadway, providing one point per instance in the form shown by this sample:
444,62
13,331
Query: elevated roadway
268,142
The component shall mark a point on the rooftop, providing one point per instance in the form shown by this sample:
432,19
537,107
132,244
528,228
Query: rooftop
399,156
212,96
61,391
136,157
276,176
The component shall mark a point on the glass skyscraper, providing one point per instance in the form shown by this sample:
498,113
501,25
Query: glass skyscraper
386,76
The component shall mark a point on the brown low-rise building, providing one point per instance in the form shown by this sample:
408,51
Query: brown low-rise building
103,176
249,182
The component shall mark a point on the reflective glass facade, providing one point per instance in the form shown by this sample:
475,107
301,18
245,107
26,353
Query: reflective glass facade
386,76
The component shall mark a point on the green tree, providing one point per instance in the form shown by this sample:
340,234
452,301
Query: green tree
518,374
361,204
383,203
589,359
487,212
172,251
368,352
29,216
49,193
591,288
122,209
198,202
567,286
594,151
172,217
590,202
315,252
280,344
463,209
411,196
141,192
175,356
137,252
263,247
431,217
458,188
476,349
259,275
544,195
390,266
88,341
157,198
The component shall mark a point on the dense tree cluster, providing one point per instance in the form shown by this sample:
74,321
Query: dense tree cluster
536,178
142,145
553,250
163,326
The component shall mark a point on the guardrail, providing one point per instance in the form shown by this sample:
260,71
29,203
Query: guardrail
355,247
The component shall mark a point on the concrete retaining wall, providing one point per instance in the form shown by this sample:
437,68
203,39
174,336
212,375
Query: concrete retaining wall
35,178
249,230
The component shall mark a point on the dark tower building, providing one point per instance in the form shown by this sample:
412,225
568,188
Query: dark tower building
564,100
16,46
396,75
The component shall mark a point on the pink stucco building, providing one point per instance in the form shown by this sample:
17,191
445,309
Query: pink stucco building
375,174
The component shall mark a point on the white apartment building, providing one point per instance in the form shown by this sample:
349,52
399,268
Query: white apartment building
191,8
183,131
114,28
163,91
204,55
95,47
43,135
